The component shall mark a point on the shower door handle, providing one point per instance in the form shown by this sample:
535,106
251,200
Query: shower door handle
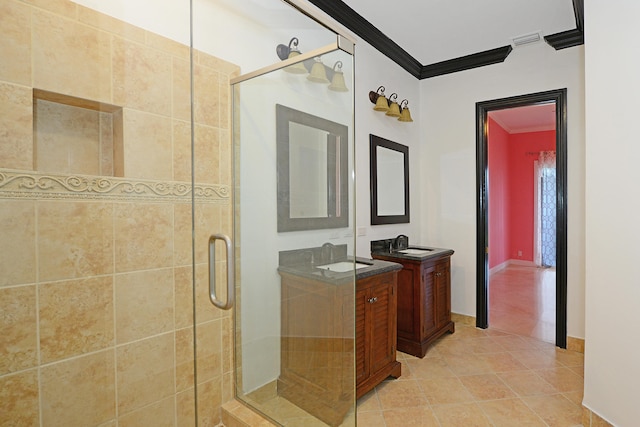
231,290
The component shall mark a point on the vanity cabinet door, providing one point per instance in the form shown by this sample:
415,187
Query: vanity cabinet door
442,289
375,331
382,311
428,300
362,365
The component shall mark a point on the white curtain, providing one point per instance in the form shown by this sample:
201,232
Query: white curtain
545,215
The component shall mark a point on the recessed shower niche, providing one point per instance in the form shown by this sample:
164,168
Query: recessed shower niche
76,136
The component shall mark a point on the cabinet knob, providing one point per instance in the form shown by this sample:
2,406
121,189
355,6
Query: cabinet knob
372,300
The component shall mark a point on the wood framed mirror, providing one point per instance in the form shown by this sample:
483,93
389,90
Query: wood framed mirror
312,164
389,168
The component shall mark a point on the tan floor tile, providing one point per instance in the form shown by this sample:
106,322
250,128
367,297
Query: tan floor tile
450,347
461,414
371,419
468,364
537,359
563,379
464,331
503,362
505,412
578,370
527,383
575,396
369,402
569,358
487,387
492,332
514,342
400,394
556,410
409,417
445,390
484,345
435,367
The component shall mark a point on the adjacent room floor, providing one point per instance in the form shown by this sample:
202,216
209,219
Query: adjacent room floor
522,300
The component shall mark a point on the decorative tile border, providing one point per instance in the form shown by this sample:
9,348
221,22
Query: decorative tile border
21,185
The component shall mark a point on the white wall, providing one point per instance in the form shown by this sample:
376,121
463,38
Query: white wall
373,70
448,168
612,67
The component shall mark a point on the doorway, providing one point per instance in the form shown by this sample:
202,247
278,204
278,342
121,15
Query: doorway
558,98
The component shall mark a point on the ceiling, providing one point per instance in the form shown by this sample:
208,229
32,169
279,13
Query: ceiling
435,37
438,30
531,118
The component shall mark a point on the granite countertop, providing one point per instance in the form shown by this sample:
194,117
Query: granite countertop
375,266
431,253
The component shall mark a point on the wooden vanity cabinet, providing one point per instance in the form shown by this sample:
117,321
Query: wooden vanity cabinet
317,330
424,302
376,331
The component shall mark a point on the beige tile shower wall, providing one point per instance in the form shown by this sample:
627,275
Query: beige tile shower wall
64,48
96,293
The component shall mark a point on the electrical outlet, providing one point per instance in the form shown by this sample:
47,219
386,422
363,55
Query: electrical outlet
519,253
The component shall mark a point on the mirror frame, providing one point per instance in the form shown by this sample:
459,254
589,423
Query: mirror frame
374,143
337,176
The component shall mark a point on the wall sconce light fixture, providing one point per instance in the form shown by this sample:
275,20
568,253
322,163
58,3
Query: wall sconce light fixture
394,108
291,52
379,99
405,114
316,70
318,74
390,107
337,82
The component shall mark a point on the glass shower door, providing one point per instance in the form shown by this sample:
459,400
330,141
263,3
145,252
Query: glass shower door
293,160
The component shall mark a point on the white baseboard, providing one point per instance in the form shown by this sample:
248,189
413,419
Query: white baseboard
507,263
498,267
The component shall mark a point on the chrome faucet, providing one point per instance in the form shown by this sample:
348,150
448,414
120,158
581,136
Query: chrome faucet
328,252
312,259
401,242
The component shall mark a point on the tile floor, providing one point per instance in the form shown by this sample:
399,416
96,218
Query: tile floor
508,375
480,377
522,300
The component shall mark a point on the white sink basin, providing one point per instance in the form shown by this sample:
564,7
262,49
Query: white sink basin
415,251
342,266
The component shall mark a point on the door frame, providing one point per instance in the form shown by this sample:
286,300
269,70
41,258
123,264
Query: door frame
559,96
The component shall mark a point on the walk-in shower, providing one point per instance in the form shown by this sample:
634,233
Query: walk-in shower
118,126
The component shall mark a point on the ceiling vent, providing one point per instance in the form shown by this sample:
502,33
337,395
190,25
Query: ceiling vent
526,39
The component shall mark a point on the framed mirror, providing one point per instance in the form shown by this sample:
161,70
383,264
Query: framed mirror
312,164
389,167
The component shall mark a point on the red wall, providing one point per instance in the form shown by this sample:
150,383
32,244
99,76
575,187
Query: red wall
511,183
498,157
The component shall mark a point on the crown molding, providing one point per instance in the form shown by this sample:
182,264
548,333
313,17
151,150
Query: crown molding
573,37
565,39
348,17
468,62
369,33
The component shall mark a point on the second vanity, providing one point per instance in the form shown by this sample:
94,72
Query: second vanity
424,292
317,321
